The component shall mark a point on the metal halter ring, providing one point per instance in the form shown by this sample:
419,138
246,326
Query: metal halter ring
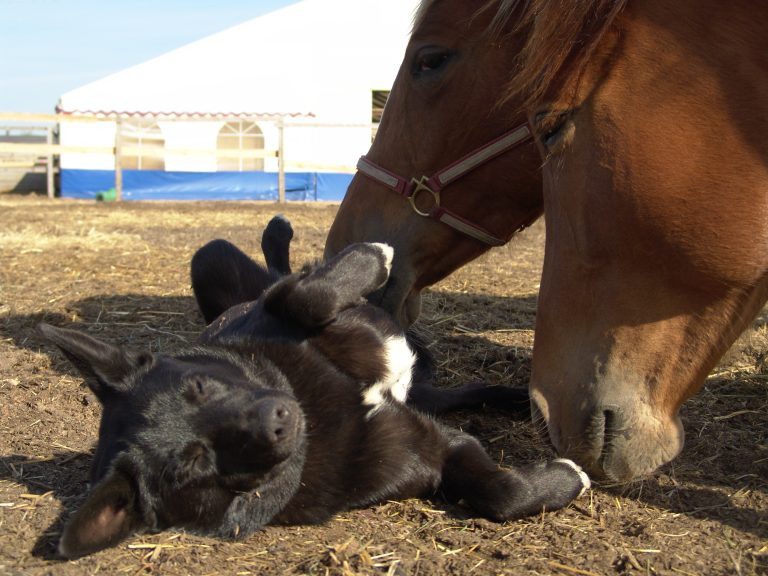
410,189
422,185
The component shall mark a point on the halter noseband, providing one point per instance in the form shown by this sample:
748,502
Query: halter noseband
434,184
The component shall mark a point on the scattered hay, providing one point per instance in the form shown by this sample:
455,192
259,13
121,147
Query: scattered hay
121,272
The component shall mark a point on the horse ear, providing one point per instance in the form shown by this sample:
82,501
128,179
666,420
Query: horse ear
105,367
108,515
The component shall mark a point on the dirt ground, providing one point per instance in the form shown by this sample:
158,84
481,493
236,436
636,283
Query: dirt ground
120,272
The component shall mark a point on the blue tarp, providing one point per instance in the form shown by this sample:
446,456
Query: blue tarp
161,185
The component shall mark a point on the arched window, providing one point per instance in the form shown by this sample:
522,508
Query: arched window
143,145
240,135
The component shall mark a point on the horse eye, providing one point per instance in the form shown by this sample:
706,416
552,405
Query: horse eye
429,60
550,125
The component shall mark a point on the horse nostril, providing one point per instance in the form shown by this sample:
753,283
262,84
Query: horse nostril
613,428
595,431
615,423
609,419
603,426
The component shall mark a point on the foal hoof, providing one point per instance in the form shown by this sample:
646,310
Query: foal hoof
279,227
275,244
586,484
387,251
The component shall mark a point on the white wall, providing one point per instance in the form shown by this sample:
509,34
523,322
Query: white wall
92,135
308,148
190,136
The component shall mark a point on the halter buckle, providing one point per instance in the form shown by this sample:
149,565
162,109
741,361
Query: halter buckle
422,185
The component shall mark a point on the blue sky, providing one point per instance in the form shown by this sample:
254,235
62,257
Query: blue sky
48,47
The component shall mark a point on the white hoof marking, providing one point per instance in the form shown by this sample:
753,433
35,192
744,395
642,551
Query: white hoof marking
586,484
389,254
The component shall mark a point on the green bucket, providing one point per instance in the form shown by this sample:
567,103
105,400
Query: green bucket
107,196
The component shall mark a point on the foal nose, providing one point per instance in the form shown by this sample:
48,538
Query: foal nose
275,420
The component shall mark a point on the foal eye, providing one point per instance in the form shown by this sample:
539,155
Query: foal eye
144,360
199,388
430,59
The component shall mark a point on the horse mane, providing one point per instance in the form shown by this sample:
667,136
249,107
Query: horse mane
419,13
556,32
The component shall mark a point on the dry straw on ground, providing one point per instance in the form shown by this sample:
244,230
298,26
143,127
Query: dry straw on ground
121,272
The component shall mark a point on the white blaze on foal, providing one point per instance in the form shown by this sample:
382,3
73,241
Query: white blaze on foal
400,360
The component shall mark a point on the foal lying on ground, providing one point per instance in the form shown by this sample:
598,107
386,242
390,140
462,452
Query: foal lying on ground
289,410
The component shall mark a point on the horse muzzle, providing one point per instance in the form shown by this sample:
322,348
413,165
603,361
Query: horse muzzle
614,442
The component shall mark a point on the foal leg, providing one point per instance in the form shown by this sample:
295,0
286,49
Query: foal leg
223,276
275,244
315,298
425,397
470,475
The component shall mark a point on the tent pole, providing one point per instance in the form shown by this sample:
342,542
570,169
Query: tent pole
118,159
49,164
280,163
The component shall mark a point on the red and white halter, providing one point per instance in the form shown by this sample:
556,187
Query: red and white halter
434,184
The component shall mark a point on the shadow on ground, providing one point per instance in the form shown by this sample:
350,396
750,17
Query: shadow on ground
702,491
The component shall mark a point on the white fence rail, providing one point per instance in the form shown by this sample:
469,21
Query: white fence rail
20,155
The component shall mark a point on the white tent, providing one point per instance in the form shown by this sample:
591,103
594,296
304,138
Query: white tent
316,61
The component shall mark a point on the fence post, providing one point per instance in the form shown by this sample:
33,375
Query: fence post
118,159
49,164
280,163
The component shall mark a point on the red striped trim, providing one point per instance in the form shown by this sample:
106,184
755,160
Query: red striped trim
181,115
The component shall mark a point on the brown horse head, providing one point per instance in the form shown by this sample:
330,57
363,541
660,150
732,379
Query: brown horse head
656,207
441,108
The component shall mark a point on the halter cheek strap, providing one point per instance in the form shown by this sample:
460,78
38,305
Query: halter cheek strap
433,185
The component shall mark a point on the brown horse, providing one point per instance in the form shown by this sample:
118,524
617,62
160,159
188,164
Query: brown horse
650,119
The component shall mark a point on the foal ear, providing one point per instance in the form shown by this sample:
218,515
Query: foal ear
108,515
105,367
